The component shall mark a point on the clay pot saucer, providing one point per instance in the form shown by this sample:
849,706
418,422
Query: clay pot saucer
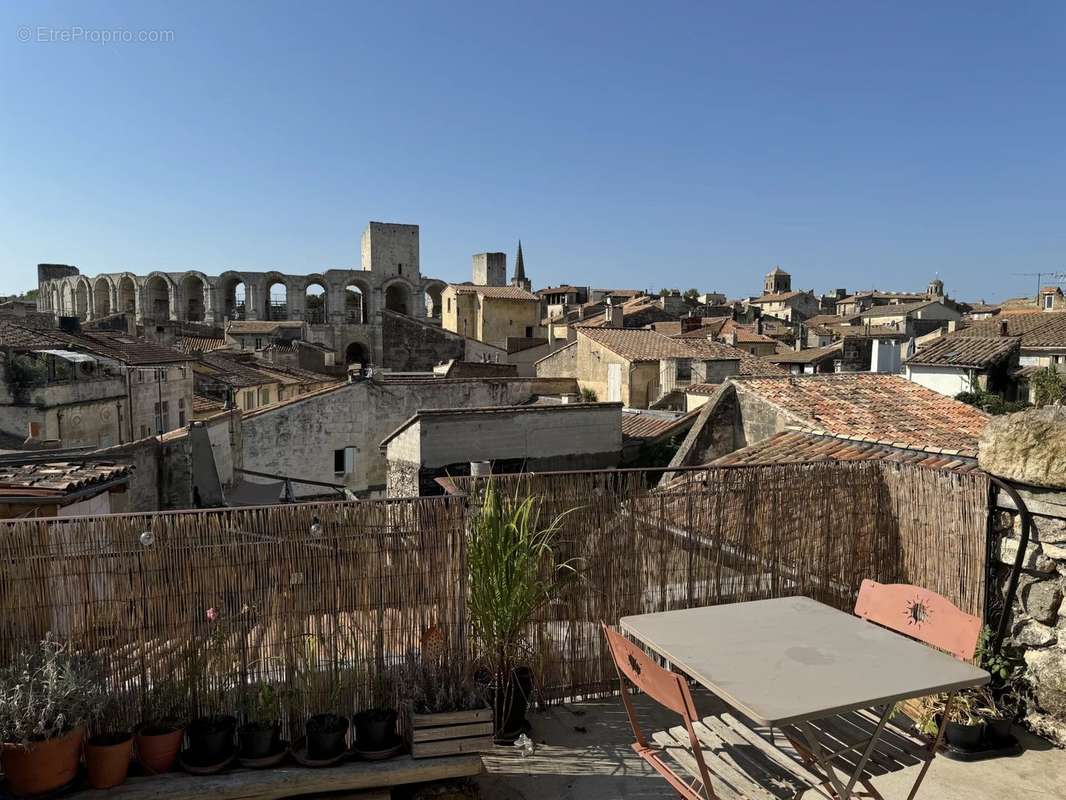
190,764
272,760
299,752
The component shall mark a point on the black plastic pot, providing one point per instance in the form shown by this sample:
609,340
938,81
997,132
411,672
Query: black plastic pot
259,739
511,701
211,738
965,737
375,729
325,735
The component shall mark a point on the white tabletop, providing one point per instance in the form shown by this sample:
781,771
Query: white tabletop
793,659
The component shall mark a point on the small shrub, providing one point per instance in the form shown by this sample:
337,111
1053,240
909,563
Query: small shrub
588,396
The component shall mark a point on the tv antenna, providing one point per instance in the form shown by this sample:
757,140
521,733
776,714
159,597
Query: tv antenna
1057,277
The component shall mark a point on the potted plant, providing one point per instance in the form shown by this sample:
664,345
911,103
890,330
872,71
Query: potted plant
157,740
512,574
47,695
1006,692
448,713
108,752
325,731
211,736
260,733
969,715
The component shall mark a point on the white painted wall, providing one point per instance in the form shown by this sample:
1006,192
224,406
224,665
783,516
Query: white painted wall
948,381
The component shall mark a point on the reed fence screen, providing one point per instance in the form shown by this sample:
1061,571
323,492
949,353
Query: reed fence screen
328,601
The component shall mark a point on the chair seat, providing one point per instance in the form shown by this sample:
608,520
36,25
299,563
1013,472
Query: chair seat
743,765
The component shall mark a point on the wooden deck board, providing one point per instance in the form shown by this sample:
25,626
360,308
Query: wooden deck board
289,781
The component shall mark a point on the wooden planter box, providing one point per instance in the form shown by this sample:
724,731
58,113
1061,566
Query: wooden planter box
451,733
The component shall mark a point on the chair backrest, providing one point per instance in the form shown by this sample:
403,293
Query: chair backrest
661,685
920,614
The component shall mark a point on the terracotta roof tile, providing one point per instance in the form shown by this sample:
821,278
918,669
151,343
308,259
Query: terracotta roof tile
1038,329
966,351
873,407
498,292
57,478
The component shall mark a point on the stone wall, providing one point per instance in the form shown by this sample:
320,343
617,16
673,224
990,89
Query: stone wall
1038,618
409,345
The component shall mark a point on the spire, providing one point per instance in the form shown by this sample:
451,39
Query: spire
519,265
519,278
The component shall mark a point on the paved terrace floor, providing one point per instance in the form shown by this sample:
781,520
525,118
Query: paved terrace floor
583,752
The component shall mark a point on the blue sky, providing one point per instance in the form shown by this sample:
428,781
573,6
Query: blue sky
857,144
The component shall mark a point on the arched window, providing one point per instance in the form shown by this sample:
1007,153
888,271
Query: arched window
396,298
433,301
355,353
315,305
157,299
194,290
81,300
235,299
101,298
354,307
277,300
127,295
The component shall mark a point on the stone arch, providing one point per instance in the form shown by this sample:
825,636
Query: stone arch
102,297
397,295
66,299
356,353
275,300
83,298
56,302
234,293
194,296
434,303
126,292
158,297
356,302
316,305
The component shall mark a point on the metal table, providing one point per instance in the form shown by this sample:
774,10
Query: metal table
792,660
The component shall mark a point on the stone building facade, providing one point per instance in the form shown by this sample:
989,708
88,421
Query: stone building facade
340,306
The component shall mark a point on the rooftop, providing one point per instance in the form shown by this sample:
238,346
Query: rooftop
895,309
875,407
811,355
497,292
58,479
262,326
801,446
779,297
637,344
1039,329
648,424
978,352
199,344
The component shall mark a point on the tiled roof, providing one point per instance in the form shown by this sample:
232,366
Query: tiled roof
885,408
497,292
812,355
895,309
803,446
702,388
564,289
1038,329
198,344
978,352
879,295
708,350
205,405
234,372
637,344
56,479
125,348
18,337
643,424
779,297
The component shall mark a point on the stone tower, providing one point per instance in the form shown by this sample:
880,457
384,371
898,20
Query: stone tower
490,269
777,281
520,280
936,289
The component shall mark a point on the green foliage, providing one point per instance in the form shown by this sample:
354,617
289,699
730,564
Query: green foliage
691,294
48,691
166,703
262,703
990,403
512,574
666,292
588,395
437,686
25,371
1047,387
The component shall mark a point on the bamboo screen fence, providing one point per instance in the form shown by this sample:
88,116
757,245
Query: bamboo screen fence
325,601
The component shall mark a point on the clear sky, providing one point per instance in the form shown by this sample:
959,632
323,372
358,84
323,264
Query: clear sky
857,144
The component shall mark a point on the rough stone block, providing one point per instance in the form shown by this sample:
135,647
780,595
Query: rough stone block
1042,601
1033,634
1028,447
1054,551
1035,560
1048,529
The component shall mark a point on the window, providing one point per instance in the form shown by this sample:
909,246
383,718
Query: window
181,419
529,331
399,269
449,304
684,370
344,461
258,343
249,401
264,396
1049,300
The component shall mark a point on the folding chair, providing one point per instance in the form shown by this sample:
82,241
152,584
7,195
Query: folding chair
837,741
702,759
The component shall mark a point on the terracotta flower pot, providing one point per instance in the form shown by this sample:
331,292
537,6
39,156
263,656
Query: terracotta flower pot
158,747
42,767
107,758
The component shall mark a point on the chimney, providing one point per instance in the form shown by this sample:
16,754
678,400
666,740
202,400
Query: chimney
551,334
691,323
581,313
613,314
758,325
731,337
1002,327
